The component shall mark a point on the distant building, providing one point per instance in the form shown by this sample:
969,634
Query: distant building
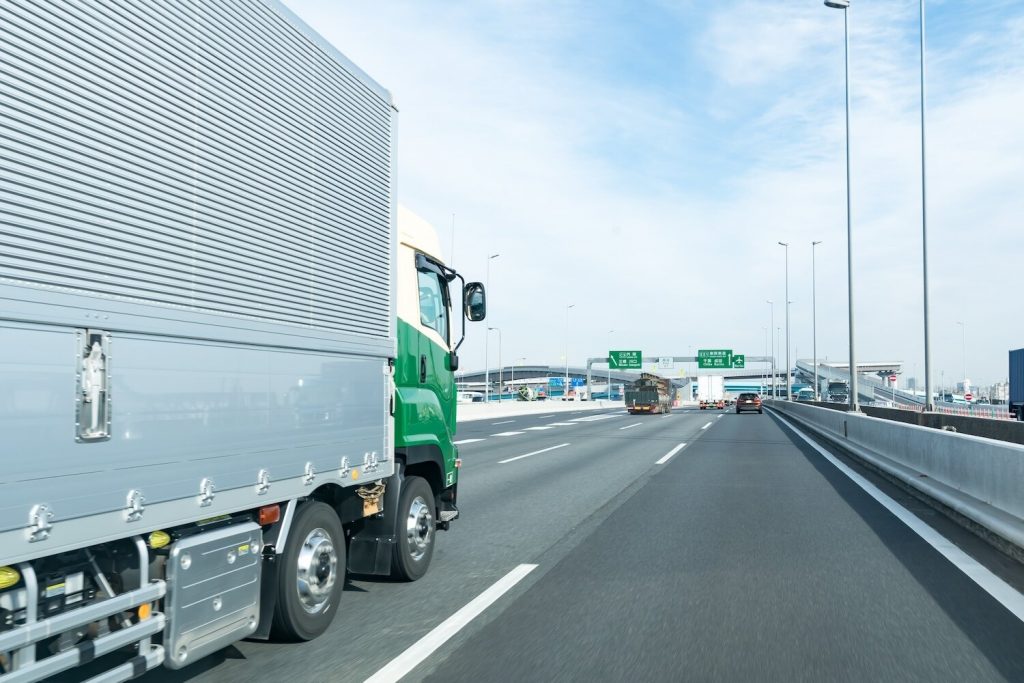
911,384
1000,392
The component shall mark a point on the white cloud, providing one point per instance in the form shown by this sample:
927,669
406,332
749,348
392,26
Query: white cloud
497,126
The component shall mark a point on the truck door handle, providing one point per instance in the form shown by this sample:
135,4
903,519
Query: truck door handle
423,369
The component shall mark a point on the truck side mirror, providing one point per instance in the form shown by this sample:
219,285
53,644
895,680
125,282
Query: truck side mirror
453,361
474,301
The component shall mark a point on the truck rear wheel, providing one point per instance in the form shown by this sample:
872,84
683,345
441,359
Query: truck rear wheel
312,574
415,529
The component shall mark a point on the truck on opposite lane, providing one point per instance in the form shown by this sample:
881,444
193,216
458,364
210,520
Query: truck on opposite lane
229,354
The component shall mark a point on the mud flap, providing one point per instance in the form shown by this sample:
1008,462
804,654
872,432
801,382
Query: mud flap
371,548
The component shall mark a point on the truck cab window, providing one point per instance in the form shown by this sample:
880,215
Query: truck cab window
433,307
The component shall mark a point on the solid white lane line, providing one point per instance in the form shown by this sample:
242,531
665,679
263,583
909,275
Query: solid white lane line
635,424
1004,593
507,434
561,424
504,422
535,429
707,425
665,458
425,646
459,443
543,450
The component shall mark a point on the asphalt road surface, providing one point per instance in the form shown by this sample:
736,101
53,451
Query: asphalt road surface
743,555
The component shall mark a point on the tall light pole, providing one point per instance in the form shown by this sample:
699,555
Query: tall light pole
845,6
772,304
764,387
487,337
963,342
778,339
565,389
500,388
814,318
610,332
788,366
928,401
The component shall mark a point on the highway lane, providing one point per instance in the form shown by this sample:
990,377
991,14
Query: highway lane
748,557
528,510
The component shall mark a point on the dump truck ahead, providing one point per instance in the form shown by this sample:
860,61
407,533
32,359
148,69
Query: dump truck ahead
649,394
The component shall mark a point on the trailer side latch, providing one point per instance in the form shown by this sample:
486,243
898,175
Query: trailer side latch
92,402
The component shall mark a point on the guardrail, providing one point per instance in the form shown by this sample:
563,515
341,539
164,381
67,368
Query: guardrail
973,424
979,478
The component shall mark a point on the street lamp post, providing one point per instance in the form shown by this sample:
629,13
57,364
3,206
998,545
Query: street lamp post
845,6
778,342
928,404
487,338
565,389
500,388
788,366
764,377
772,304
814,319
963,347
609,392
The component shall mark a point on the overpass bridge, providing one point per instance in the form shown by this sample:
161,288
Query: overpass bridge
872,387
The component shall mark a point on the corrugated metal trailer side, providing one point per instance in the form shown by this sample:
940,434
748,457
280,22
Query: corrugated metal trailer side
196,266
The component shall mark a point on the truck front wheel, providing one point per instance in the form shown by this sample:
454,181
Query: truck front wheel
312,574
415,530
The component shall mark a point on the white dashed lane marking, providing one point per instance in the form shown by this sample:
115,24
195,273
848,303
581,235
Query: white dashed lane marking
665,458
543,450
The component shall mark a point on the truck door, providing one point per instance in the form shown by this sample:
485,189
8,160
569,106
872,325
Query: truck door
435,340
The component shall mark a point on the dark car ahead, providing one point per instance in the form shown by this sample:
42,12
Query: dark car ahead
748,402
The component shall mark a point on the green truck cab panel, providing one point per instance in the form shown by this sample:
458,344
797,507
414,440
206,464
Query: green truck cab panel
425,397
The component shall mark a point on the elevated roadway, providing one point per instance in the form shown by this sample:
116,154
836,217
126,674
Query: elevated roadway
691,546
872,388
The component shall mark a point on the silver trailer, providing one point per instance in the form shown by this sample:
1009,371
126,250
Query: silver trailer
197,318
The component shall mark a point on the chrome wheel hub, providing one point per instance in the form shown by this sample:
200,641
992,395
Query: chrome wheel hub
317,570
419,528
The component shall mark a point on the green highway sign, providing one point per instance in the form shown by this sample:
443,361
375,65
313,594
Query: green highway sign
625,360
720,359
714,359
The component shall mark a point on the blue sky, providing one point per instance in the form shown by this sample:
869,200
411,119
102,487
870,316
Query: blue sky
642,159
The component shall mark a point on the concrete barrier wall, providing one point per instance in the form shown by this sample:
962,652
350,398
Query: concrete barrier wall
979,477
1002,430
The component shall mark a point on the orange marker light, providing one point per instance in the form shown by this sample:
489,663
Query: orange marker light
145,611
269,514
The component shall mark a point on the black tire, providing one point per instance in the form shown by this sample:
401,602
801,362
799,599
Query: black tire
760,411
415,529
316,542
